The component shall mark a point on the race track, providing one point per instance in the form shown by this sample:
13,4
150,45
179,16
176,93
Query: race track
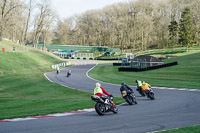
171,109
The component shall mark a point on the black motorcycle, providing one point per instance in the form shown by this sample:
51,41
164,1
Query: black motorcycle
149,93
104,104
57,71
129,96
68,74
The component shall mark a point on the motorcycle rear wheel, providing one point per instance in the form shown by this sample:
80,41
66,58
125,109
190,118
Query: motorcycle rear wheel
100,108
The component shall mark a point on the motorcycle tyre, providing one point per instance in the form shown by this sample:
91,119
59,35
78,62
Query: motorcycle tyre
151,96
100,109
134,100
142,93
129,100
115,110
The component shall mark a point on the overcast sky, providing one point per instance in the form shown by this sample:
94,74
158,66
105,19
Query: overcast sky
68,8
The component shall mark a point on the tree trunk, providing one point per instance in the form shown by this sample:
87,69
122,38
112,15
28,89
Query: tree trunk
142,39
1,36
27,22
1,32
187,49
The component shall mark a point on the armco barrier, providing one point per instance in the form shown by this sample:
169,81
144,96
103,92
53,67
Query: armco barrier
107,58
130,69
61,64
120,64
79,58
117,64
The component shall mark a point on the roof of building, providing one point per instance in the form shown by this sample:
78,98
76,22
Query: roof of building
67,51
145,58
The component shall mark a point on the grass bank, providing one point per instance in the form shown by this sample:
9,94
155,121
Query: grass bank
181,51
191,129
24,91
184,75
159,53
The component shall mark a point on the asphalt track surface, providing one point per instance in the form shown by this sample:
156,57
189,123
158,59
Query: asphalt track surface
170,109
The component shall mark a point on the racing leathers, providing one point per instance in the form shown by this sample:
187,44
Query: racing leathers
98,91
125,87
145,86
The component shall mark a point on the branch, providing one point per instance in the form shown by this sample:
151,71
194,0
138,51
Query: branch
10,10
3,8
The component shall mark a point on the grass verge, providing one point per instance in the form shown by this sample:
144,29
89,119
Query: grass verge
191,129
184,75
24,91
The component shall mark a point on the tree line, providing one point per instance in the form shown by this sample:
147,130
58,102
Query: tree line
136,25
26,21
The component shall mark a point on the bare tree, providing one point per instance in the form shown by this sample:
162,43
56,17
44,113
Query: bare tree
30,7
6,10
42,20
48,27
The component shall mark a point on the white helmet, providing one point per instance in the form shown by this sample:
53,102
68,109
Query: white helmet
98,84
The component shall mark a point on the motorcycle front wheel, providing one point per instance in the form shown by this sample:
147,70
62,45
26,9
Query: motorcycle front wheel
134,100
100,108
130,100
151,96
115,109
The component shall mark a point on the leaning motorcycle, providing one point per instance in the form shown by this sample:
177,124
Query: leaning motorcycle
129,96
68,74
149,93
104,104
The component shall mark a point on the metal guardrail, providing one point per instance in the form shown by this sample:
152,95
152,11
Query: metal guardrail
61,64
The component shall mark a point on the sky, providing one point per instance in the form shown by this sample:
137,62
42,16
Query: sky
69,8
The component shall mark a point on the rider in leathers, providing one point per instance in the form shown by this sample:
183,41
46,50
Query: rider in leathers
139,89
100,91
125,87
145,86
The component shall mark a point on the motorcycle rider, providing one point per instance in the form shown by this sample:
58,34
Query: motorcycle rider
139,89
69,73
100,91
57,69
145,86
125,87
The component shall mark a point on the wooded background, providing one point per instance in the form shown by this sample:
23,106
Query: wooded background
135,25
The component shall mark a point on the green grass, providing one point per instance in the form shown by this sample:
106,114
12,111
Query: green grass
167,52
184,75
24,91
191,129
8,45
181,51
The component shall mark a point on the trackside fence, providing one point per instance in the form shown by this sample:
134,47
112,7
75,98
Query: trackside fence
131,69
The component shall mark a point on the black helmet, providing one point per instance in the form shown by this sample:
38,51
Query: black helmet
123,83
136,81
